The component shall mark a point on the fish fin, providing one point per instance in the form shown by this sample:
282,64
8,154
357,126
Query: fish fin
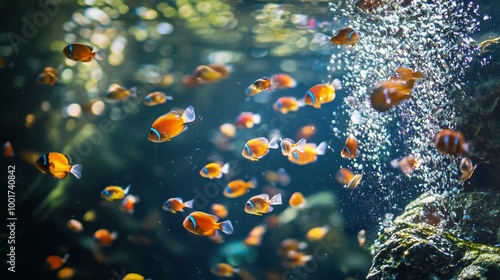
256,118
114,235
127,189
87,59
188,115
133,92
65,259
169,97
236,270
301,144
263,196
99,55
76,170
189,204
253,183
320,150
317,105
269,209
305,259
60,175
417,75
214,218
301,102
225,169
226,227
273,144
276,200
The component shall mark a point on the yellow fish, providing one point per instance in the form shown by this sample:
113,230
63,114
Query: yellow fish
261,204
258,147
58,165
111,193
214,170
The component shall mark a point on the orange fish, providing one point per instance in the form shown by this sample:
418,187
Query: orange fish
74,225
347,178
247,119
55,262
297,200
466,168
111,193
350,149
319,94
450,142
346,36
104,238
280,177
66,273
201,223
238,188
206,74
48,76
406,74
261,204
175,205
259,86
117,93
361,237
317,233
133,276
287,104
217,239
407,164
170,125
306,132
58,165
289,245
224,270
81,52
387,94
254,238
288,146
228,130
296,259
310,154
219,210
256,148
7,149
128,203
214,170
281,81
156,98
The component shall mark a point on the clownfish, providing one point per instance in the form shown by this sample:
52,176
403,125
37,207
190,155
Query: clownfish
111,193
156,98
105,238
319,94
347,178
297,200
224,270
176,204
281,81
259,86
261,204
55,262
287,104
256,148
450,142
254,238
117,93
406,74
128,203
407,164
296,259
48,76
317,233
387,94
310,154
346,36
170,125
58,165
214,170
466,168
247,119
7,149
201,223
237,188
219,210
288,146
81,52
350,149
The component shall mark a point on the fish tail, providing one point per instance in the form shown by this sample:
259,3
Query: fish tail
301,145
188,115
256,118
301,102
226,227
320,150
169,97
273,144
253,183
417,75
114,235
65,259
236,270
275,200
76,170
99,55
133,92
225,168
125,191
189,204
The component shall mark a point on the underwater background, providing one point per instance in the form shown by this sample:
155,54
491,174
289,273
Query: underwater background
152,45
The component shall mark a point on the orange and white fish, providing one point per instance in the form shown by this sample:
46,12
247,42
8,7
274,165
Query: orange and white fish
156,98
347,178
346,36
201,223
49,76
361,237
7,149
81,52
58,165
388,94
261,204
247,119
118,93
451,142
297,259
111,193
407,164
306,132
219,210
282,81
206,74
288,104
350,149
406,74
170,125
289,245
256,148
310,154
466,168
288,146
228,130
128,203
237,188
319,94
214,170
317,233
297,200
254,238
105,238
176,204
74,225
259,86
55,262
224,270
